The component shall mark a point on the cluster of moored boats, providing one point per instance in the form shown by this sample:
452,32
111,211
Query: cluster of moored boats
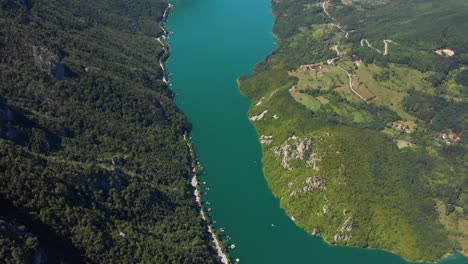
222,229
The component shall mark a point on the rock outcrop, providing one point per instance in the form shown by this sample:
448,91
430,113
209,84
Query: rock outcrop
303,149
48,62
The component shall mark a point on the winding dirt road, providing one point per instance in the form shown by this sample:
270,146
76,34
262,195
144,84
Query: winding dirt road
369,45
348,32
324,7
386,42
351,84
335,48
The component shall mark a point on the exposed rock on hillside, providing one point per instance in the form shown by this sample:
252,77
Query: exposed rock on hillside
300,150
48,62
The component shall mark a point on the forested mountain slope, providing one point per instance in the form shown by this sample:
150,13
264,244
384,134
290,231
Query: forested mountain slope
362,112
93,164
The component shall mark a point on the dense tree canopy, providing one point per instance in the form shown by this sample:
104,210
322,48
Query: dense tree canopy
93,164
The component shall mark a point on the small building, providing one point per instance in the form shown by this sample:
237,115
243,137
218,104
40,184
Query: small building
445,52
452,136
404,126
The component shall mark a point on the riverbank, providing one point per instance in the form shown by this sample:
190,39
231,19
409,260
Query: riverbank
198,199
160,40
223,257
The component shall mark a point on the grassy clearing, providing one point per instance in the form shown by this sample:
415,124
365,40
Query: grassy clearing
321,77
389,86
307,100
361,117
322,100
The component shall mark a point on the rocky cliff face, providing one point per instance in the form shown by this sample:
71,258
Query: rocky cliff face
48,62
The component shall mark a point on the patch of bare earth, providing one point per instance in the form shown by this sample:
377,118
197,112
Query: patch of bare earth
445,52
322,100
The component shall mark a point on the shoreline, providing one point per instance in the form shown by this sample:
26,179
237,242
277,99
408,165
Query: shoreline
163,45
449,254
195,184
222,256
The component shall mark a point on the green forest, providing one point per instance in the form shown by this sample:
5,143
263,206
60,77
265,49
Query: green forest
94,167
365,112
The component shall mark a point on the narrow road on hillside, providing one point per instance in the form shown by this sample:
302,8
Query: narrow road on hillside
369,45
386,42
351,84
335,48
339,54
324,7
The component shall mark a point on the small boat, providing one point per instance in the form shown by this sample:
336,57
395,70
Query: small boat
233,246
209,209
222,229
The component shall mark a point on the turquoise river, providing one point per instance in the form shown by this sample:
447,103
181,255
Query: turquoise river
214,42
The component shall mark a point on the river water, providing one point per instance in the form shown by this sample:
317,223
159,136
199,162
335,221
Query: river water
214,42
